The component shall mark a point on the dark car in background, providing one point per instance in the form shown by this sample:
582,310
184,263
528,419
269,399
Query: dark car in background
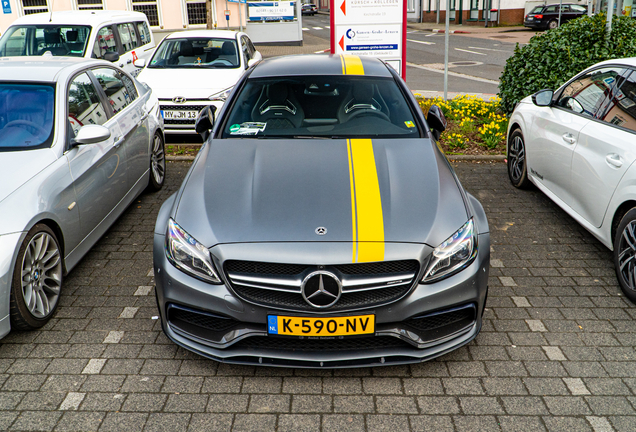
309,9
547,16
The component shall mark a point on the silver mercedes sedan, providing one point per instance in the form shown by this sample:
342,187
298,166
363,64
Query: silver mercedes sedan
79,140
321,226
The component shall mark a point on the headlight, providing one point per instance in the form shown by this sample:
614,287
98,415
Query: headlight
188,255
453,255
222,95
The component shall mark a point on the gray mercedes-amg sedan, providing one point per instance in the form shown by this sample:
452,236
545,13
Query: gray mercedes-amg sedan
321,226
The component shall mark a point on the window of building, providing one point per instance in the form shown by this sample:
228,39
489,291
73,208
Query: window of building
34,6
196,12
90,4
148,7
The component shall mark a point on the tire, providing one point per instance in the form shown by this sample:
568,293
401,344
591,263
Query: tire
552,25
37,279
157,164
625,254
517,167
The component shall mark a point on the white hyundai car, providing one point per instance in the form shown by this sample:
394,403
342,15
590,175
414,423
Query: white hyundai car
194,69
578,146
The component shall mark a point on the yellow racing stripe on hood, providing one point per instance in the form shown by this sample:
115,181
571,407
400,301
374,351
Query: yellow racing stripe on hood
366,203
352,65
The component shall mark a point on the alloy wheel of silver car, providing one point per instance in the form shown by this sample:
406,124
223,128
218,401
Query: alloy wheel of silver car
517,170
625,254
157,163
37,279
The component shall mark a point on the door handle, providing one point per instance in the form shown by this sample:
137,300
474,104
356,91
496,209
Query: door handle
118,141
144,117
121,65
569,138
129,61
614,160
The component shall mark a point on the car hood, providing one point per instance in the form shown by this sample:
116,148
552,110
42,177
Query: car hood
189,83
18,167
254,190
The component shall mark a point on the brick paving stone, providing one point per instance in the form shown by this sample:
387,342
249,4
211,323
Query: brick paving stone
343,422
521,423
210,422
298,423
476,423
387,423
424,423
269,403
130,422
228,403
186,403
254,422
353,404
36,421
167,422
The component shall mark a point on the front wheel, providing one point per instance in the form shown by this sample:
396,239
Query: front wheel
625,254
37,279
157,164
517,167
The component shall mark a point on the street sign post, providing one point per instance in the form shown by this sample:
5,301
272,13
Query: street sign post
375,28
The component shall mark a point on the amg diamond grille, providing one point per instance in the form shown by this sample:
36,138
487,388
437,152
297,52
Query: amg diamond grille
189,319
432,322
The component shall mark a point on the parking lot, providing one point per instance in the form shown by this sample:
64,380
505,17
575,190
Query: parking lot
556,351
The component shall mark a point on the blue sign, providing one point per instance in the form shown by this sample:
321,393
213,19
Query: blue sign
6,6
377,47
231,1
272,324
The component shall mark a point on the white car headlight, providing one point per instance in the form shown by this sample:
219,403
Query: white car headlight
453,255
222,95
188,255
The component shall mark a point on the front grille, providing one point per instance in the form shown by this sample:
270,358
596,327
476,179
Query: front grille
259,343
364,285
210,322
437,320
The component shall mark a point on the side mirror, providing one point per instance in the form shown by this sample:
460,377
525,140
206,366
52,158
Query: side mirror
543,98
252,62
436,121
204,122
91,134
140,63
111,56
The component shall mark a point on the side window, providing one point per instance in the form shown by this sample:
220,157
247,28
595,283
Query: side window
127,36
551,9
585,94
244,48
144,32
250,45
104,42
119,89
621,111
577,8
84,106
565,9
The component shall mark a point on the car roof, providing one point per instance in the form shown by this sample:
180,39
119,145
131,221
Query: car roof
318,64
91,18
221,34
41,68
628,61
564,4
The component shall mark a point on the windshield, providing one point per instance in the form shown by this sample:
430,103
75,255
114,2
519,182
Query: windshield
320,106
196,53
35,40
26,116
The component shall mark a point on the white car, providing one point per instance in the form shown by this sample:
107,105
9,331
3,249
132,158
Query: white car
194,69
79,140
578,146
117,36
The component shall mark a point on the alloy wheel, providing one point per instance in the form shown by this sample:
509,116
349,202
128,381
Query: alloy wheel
516,158
627,255
158,160
41,275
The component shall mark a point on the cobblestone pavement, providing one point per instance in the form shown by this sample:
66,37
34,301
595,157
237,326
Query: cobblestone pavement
556,352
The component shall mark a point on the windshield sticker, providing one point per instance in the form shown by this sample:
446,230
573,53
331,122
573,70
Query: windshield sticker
247,128
409,124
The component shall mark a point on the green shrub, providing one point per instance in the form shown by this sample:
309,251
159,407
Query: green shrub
551,58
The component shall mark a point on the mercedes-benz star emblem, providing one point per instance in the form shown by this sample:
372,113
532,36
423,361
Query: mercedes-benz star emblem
321,230
321,289
179,99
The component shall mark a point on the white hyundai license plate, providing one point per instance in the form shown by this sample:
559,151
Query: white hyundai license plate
179,115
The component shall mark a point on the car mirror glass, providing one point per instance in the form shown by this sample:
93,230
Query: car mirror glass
436,121
205,121
543,97
91,134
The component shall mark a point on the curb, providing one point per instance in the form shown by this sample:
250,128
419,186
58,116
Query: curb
481,158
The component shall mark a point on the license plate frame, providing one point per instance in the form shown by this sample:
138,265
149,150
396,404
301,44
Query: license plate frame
179,114
329,326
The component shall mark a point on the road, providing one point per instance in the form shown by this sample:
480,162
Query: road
475,63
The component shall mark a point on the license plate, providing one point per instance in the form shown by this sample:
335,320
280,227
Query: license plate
179,115
327,326
530,18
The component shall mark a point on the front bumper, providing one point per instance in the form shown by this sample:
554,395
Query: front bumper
184,125
429,321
